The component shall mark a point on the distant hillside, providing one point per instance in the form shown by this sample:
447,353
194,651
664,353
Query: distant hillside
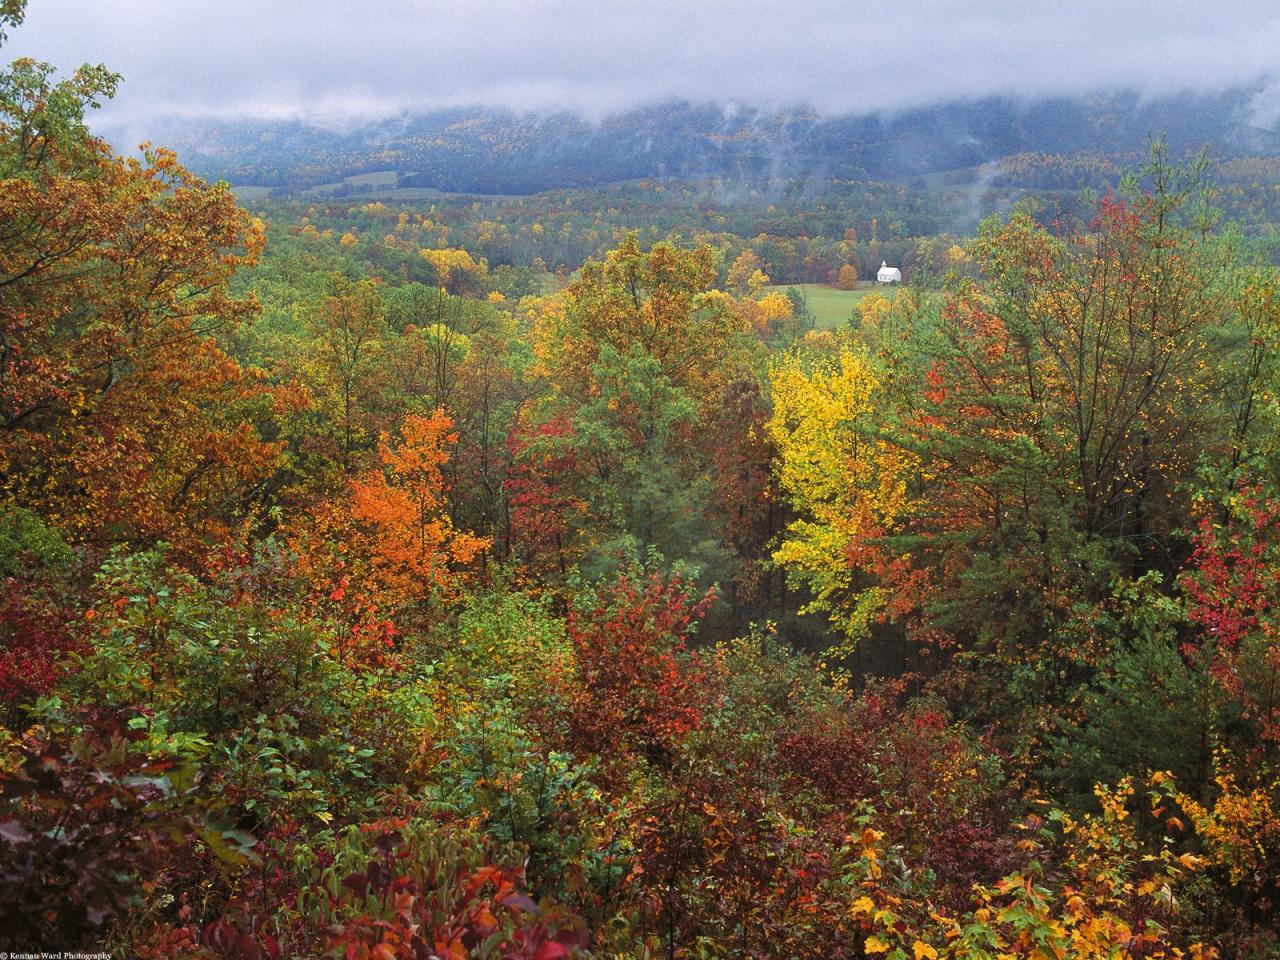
509,153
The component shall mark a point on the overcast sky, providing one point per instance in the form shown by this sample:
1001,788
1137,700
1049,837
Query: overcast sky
325,59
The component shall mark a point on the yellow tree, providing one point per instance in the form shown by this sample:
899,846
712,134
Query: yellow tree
848,486
742,270
456,268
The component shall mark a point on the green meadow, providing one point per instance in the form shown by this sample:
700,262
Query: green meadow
829,305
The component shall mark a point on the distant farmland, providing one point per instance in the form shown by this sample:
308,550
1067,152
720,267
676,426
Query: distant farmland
829,305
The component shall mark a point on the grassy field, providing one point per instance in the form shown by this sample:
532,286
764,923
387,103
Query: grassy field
831,306
363,183
381,185
249,194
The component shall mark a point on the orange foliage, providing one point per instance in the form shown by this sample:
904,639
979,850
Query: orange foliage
121,418
400,542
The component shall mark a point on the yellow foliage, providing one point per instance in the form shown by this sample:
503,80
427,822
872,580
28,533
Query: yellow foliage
449,261
658,298
775,306
873,310
848,486
1241,830
744,271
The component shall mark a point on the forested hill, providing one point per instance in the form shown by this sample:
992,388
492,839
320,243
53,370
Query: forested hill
504,152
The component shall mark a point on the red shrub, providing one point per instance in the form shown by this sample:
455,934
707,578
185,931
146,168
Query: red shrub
640,688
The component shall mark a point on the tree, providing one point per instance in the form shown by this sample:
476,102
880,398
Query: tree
638,351
457,270
439,326
542,488
849,486
120,416
639,471
11,14
1062,404
800,305
742,270
349,327
639,688
395,521
641,302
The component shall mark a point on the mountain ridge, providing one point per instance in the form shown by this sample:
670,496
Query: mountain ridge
501,151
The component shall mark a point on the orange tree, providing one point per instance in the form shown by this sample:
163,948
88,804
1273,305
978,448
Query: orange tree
387,544
120,417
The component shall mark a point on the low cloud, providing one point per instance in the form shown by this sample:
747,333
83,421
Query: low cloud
332,62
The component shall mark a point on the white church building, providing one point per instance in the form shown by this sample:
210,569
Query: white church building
888,274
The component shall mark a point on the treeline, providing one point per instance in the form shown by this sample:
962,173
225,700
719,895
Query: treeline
495,151
796,239
804,234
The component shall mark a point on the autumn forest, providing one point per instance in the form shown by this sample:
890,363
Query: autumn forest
544,576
